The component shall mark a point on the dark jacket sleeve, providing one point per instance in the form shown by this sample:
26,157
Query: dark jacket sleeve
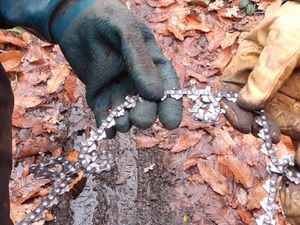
34,15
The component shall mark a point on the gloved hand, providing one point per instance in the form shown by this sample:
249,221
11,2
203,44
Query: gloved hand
290,201
115,55
111,51
265,70
266,74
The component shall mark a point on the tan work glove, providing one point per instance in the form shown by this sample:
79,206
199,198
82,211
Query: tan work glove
266,71
265,68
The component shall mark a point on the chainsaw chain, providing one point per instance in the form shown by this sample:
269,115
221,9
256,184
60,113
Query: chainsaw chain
207,108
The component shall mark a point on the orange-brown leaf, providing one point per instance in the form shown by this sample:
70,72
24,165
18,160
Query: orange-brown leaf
214,178
7,37
160,3
256,194
229,39
186,140
59,75
190,163
194,24
28,101
246,216
146,141
239,169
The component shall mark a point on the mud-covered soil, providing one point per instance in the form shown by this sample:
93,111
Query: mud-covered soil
128,195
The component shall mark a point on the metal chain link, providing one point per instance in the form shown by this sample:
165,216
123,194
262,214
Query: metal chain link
207,108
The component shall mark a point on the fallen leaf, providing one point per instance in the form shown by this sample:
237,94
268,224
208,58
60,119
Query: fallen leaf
256,194
223,59
28,101
186,140
190,163
26,188
73,155
8,37
229,39
70,88
160,3
214,179
239,169
246,217
11,55
59,75
194,24
221,216
146,141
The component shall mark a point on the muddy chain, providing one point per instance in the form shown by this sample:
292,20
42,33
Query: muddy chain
207,108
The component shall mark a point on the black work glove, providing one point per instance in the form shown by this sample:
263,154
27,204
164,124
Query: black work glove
115,55
110,50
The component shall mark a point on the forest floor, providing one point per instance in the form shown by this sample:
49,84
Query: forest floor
197,174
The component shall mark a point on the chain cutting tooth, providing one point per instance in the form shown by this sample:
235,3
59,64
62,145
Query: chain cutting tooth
261,134
264,150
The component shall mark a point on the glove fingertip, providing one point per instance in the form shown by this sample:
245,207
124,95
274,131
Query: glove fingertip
170,113
123,123
239,118
143,115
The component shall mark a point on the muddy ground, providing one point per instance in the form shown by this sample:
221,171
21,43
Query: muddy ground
127,195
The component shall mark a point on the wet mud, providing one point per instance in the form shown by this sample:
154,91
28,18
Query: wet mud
130,194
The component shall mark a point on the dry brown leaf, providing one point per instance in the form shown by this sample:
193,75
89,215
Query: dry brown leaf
239,169
18,212
190,163
73,155
285,147
196,178
80,175
221,216
177,33
192,23
199,77
160,3
189,121
146,141
215,37
26,188
223,59
11,55
229,39
187,140
11,60
28,101
256,194
214,178
18,119
9,37
70,88
59,75
245,216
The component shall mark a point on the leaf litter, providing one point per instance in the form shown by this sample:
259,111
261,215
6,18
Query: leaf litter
223,169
